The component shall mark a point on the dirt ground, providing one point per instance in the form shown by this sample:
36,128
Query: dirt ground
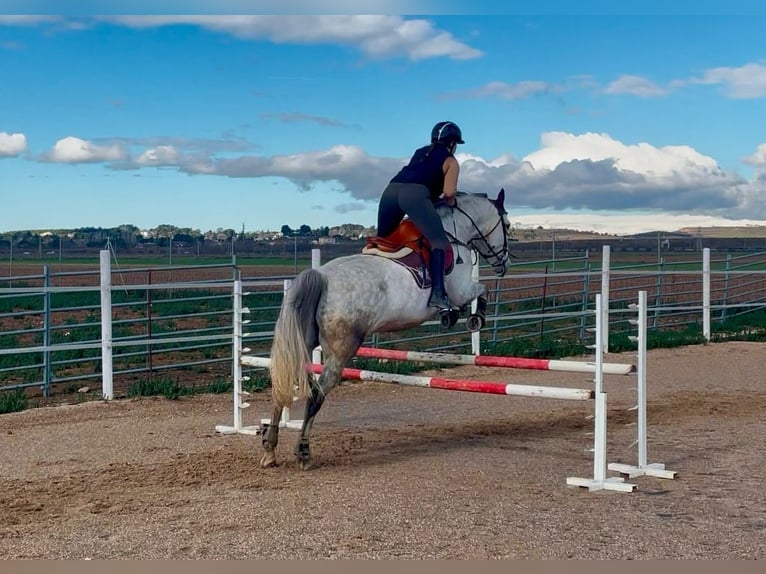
403,473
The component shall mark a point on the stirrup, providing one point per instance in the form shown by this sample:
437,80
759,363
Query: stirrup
440,303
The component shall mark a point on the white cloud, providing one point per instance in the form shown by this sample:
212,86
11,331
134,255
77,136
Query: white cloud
75,150
159,156
32,20
621,223
363,175
585,173
297,117
560,147
636,86
594,171
376,36
12,145
503,90
350,207
581,172
757,159
744,82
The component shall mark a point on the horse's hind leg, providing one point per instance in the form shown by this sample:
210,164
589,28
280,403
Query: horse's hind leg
331,375
270,439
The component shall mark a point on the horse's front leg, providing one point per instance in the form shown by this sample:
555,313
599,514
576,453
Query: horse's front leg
476,320
270,439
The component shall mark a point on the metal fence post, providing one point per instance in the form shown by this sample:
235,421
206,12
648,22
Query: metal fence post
605,253
725,296
107,372
149,346
496,314
658,294
585,295
706,293
46,332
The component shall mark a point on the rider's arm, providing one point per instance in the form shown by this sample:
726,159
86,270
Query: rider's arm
451,171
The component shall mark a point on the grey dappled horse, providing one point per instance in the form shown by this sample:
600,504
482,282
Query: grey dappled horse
342,302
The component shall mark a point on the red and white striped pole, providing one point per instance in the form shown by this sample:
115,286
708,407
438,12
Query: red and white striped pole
490,361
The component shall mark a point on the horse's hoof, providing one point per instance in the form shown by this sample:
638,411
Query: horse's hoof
306,464
268,460
449,317
474,323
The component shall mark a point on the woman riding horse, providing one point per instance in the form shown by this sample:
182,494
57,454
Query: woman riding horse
431,172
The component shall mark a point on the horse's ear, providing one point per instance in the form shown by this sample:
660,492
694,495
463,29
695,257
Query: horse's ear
501,196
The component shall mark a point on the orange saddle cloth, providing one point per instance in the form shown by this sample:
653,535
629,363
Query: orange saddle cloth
409,247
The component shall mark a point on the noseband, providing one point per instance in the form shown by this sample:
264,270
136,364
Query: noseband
496,259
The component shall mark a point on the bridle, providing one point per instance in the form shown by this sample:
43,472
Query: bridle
497,259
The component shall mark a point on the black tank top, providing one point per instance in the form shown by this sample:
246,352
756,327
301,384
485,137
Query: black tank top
426,167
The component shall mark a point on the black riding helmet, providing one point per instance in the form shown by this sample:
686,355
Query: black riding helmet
446,133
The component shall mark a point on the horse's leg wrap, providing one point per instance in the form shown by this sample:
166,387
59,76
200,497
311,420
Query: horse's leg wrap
303,451
449,317
476,321
481,306
270,433
303,448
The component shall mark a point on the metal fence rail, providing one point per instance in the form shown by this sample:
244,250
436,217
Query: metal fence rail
178,321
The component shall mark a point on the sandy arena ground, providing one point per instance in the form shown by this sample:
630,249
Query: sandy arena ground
403,473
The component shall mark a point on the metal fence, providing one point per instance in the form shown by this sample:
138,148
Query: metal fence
62,331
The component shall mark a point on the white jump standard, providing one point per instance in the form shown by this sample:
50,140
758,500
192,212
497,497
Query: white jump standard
643,468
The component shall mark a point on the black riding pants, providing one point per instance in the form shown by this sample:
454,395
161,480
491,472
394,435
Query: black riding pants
414,200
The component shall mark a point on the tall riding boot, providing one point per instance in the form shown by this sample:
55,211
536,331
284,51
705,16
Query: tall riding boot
438,293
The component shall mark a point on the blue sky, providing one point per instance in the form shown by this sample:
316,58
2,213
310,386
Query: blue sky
616,123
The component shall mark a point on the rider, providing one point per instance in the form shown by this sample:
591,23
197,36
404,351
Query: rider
431,172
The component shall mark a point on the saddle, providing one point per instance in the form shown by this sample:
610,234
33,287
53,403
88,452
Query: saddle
407,246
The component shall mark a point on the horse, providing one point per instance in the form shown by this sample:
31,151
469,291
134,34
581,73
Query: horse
339,304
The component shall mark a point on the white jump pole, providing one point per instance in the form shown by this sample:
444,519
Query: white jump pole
107,368
600,480
643,468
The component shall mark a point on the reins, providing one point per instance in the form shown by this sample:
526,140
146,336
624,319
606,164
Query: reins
500,256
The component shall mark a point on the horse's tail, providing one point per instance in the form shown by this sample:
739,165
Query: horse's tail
295,335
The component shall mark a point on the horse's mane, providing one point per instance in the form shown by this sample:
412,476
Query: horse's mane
464,199
466,194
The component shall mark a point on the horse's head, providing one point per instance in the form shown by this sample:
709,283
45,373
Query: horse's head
487,227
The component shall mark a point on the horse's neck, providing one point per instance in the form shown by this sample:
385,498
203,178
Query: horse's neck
459,224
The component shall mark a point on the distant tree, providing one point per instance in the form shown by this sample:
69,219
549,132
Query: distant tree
304,230
185,237
286,230
165,231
